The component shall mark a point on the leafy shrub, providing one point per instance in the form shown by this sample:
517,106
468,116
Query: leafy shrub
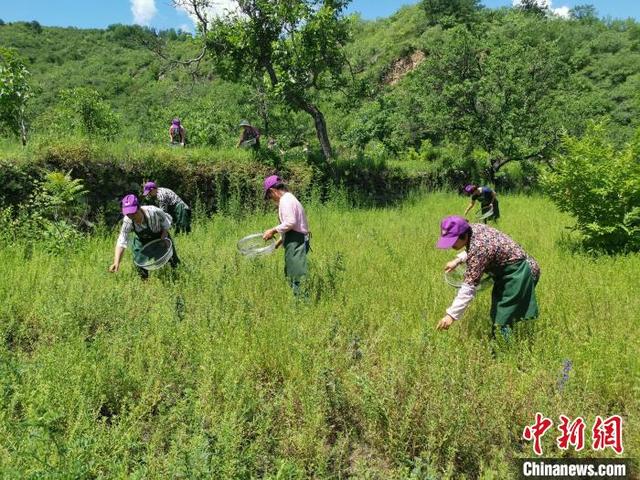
80,111
15,92
600,186
446,165
53,214
220,180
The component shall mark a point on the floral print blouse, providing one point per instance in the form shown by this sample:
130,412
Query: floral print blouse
489,249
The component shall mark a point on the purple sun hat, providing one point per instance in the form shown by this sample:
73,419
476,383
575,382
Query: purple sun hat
450,230
469,188
176,122
270,182
148,187
130,204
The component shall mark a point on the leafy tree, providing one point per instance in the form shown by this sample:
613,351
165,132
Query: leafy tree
502,93
584,13
82,111
537,7
290,48
15,92
600,186
450,12
35,26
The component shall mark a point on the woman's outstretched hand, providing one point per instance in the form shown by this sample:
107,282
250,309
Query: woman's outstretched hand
445,323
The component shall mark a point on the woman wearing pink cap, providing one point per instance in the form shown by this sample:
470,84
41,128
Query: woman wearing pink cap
487,250
177,133
147,223
488,201
170,203
293,229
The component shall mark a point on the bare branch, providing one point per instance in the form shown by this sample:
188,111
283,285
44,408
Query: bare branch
197,9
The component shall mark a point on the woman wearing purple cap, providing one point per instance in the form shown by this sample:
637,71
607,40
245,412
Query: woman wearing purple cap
148,223
487,250
488,201
170,203
177,133
293,229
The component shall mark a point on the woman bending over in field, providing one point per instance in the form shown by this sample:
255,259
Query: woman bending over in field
487,250
293,229
488,201
170,203
177,133
148,223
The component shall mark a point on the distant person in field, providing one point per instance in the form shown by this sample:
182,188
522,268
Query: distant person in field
293,230
177,133
170,203
249,137
487,250
147,223
488,200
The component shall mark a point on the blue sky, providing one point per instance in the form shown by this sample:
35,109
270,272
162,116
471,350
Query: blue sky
100,13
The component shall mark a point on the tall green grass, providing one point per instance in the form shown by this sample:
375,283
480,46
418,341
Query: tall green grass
219,373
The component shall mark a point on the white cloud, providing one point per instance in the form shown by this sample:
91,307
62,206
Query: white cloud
143,11
540,3
216,8
563,12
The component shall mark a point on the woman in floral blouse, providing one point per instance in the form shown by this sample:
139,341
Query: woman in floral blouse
487,250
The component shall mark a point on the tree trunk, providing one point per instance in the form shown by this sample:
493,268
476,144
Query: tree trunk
263,109
23,132
321,129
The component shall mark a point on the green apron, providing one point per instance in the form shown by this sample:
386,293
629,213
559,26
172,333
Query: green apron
140,239
296,246
513,297
181,215
485,207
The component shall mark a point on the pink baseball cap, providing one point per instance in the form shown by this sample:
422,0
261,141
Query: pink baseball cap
148,187
270,182
130,204
450,230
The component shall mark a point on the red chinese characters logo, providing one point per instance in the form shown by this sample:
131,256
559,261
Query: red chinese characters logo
572,433
536,431
605,433
608,433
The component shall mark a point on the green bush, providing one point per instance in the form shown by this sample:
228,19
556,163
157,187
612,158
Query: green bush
217,180
80,111
52,215
600,186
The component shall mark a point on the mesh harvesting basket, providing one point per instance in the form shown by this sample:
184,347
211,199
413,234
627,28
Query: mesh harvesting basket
487,214
155,254
455,278
249,143
253,245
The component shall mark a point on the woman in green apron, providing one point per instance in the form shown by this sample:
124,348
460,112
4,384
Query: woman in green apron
488,201
171,203
293,229
487,250
147,223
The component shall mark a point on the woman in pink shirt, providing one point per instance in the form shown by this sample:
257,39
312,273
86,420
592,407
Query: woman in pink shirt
293,229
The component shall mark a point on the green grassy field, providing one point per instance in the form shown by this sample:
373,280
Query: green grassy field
221,374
